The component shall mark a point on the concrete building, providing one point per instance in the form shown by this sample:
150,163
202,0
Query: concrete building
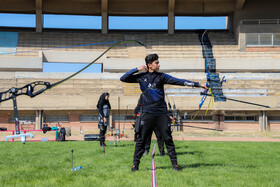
247,54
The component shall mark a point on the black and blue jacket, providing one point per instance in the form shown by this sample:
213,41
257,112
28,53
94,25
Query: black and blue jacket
152,86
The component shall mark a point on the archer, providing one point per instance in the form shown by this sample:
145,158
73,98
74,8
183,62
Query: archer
154,110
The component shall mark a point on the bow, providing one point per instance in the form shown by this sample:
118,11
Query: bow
214,83
30,90
176,121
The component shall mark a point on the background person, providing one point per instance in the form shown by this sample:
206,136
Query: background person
103,107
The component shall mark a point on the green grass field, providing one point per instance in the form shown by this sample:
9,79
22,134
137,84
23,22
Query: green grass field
202,163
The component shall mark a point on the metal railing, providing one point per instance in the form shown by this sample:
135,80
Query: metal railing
259,21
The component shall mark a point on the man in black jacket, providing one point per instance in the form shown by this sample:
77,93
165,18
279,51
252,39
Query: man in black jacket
155,113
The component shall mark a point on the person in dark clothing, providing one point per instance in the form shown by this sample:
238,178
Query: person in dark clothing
103,107
137,113
160,141
154,112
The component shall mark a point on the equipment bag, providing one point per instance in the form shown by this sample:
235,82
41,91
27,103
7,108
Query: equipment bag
45,129
60,137
3,129
91,137
63,131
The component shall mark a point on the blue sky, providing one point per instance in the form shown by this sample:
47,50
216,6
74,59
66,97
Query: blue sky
115,22
71,67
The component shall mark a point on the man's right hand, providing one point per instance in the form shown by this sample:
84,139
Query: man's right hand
105,120
204,86
143,67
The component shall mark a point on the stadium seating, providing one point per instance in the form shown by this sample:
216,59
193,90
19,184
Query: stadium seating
226,46
167,46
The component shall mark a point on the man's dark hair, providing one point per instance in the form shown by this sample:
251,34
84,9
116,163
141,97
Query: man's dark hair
150,58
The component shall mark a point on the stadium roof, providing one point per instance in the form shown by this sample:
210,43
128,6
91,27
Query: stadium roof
125,7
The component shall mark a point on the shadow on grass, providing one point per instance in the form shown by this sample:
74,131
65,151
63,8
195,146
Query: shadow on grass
189,153
182,147
120,145
196,165
69,141
179,153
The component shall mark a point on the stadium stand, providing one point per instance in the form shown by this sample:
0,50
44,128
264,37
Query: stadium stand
252,71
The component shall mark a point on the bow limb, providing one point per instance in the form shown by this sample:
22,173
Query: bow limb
118,43
29,89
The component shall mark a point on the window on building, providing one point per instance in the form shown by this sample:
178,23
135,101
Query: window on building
252,39
88,117
262,39
266,39
252,118
197,118
56,118
239,118
276,39
23,118
229,118
274,118
242,118
123,117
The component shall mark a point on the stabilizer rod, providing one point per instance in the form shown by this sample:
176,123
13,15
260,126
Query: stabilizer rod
236,100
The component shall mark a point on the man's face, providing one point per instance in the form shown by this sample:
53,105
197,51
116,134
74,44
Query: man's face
154,65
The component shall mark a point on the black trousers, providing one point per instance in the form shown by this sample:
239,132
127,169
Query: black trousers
102,133
148,123
160,141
